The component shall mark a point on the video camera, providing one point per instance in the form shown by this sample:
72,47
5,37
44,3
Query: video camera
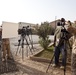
62,22
64,30
24,31
65,33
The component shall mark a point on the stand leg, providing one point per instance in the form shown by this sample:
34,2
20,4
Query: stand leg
22,48
31,41
65,56
22,53
50,63
65,67
18,46
28,44
26,50
17,50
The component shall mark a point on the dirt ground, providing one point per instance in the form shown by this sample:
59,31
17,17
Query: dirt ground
43,67
38,68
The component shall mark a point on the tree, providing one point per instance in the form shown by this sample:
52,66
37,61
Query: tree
43,32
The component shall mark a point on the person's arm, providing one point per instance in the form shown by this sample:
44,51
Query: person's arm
72,30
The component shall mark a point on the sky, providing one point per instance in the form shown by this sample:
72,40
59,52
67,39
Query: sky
37,11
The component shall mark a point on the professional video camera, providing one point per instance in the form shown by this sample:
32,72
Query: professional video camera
24,31
62,23
66,35
25,39
64,30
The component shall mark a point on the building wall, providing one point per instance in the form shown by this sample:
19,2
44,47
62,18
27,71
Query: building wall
53,23
24,24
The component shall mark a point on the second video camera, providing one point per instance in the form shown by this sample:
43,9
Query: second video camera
24,31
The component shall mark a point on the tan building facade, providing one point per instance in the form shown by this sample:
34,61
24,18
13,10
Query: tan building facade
24,24
54,23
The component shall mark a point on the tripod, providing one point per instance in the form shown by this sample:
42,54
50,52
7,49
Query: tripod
22,38
65,41
31,40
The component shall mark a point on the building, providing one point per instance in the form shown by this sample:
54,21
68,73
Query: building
54,23
24,24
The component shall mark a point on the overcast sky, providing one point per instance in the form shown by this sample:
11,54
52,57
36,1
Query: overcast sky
37,11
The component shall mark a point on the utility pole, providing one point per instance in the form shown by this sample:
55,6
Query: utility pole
55,21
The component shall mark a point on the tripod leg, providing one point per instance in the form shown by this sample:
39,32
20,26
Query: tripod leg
31,41
22,53
65,56
65,64
26,50
28,44
18,47
50,63
31,38
30,49
17,50
20,50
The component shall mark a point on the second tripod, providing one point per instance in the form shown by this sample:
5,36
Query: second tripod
21,42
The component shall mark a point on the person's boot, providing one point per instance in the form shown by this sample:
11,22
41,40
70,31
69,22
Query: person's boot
61,67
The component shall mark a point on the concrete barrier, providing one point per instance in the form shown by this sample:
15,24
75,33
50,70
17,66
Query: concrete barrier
39,59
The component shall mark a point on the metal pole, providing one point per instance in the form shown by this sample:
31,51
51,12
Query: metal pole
55,21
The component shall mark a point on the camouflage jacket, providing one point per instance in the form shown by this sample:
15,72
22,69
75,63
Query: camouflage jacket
57,35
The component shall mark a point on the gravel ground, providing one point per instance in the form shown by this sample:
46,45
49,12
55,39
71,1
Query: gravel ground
36,68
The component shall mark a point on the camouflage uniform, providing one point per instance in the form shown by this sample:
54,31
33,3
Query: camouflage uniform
57,35
73,57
